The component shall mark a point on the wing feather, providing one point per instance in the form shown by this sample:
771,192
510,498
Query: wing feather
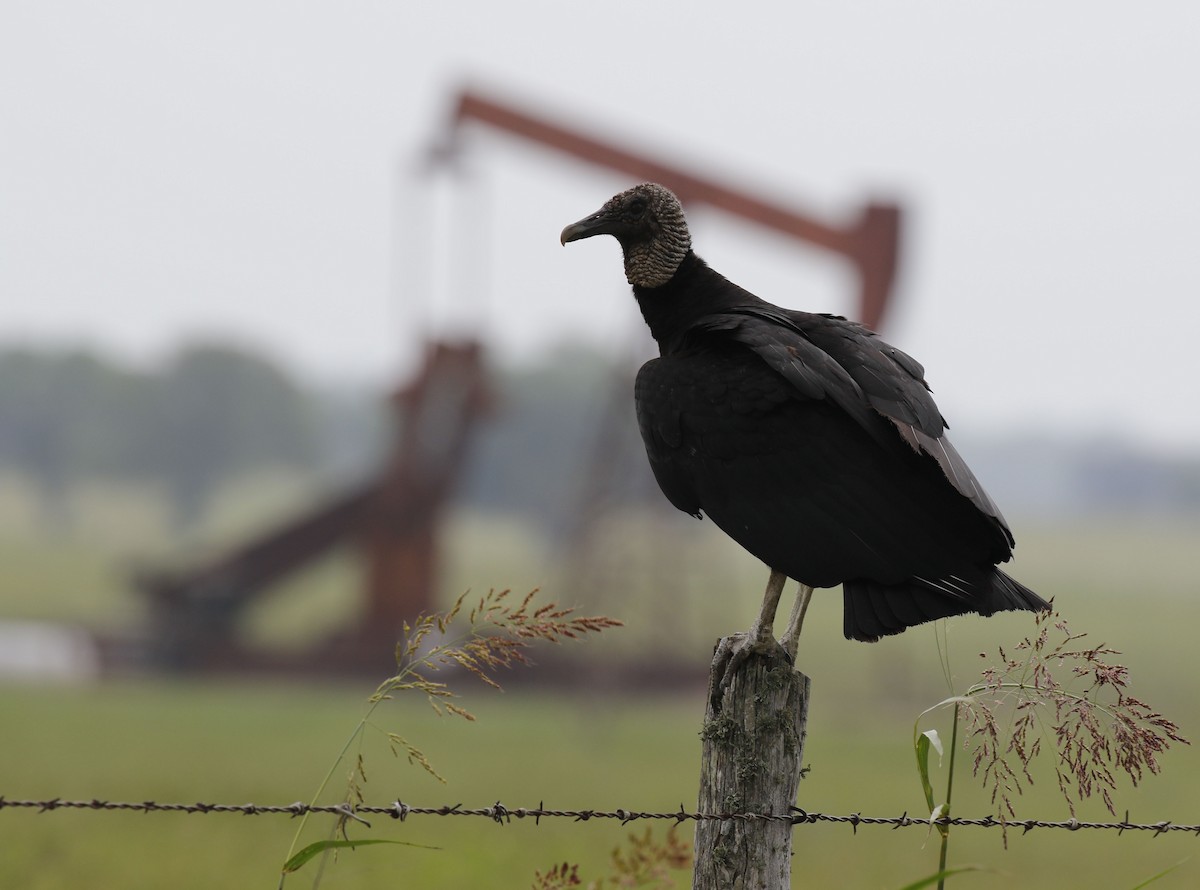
828,357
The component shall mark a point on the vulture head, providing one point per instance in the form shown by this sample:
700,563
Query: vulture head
648,222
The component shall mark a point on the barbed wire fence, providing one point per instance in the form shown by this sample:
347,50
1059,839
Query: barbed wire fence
502,814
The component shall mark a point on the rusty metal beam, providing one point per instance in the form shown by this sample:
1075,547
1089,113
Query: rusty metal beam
241,572
393,519
871,242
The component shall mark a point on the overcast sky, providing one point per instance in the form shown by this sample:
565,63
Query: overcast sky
248,169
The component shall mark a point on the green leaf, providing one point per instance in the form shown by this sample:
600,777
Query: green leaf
924,741
301,858
952,700
941,876
1161,874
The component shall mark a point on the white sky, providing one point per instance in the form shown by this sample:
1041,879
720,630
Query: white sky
231,168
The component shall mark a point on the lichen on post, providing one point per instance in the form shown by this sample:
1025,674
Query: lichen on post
755,725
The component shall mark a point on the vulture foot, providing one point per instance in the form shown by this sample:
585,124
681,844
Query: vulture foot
731,655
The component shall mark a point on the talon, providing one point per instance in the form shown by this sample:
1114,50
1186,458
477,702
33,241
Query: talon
731,653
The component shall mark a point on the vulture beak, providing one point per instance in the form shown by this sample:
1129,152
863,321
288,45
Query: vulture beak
599,223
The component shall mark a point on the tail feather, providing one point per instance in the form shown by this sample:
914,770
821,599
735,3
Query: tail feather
874,610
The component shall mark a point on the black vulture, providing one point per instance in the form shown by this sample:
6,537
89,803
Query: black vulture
806,438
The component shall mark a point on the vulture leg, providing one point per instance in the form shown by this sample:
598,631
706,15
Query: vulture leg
791,637
735,649
762,630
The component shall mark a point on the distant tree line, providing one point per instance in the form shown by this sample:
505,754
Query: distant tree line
214,412
563,437
209,413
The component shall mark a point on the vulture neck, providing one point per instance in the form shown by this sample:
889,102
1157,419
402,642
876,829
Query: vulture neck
693,293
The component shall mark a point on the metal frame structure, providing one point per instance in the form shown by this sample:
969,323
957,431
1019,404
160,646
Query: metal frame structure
871,242
394,518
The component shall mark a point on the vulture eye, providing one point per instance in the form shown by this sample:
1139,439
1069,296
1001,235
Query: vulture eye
637,206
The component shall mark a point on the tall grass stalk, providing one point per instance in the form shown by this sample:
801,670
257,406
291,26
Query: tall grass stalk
498,634
1058,688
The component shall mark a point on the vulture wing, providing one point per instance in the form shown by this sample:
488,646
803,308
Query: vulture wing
828,357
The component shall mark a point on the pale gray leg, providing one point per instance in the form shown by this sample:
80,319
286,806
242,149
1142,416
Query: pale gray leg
791,637
733,650
763,628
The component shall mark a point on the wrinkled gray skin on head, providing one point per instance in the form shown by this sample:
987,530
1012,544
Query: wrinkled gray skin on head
648,222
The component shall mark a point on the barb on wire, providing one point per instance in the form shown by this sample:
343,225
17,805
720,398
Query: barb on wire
503,814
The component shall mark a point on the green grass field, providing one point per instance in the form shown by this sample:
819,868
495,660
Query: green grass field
236,744
220,741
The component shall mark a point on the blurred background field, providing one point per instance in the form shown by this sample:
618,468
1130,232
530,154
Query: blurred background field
242,743
233,240
270,742
1106,527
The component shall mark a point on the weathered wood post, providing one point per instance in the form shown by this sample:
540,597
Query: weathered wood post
754,731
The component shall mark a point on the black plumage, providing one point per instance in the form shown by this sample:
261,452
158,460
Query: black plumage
805,437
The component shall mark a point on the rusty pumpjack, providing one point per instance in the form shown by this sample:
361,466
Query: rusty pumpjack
393,519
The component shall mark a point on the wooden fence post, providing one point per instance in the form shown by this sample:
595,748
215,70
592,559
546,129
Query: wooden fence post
754,730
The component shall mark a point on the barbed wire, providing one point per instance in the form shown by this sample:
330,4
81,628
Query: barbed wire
500,813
